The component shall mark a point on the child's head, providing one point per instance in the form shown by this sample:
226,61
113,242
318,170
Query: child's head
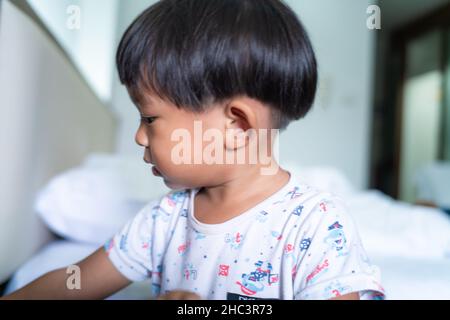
231,64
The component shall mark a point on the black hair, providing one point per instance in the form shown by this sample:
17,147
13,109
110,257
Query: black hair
194,52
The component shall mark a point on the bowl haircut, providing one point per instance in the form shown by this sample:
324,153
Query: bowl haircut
194,53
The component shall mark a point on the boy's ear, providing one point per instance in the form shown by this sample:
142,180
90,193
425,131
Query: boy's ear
240,117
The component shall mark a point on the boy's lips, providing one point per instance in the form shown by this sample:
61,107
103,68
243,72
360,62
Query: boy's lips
156,171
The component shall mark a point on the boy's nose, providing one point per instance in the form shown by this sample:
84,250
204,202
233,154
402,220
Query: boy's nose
141,138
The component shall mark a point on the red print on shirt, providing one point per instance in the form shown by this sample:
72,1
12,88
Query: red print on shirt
223,270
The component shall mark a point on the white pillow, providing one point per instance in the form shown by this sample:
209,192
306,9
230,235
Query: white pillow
92,202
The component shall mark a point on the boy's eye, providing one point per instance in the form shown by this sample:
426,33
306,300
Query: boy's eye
148,120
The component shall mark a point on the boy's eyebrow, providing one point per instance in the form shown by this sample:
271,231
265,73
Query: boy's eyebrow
146,101
147,106
142,103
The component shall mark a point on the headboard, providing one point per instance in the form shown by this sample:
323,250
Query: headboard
50,120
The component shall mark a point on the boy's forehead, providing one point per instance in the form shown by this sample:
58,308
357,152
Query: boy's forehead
142,99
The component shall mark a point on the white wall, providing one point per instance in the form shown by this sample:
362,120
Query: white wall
120,102
337,130
92,45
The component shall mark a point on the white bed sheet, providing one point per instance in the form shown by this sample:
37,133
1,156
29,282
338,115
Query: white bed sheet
394,228
410,244
62,253
408,278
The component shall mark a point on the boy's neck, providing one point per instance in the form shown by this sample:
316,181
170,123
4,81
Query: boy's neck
244,190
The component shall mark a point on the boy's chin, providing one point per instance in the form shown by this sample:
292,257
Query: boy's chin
174,186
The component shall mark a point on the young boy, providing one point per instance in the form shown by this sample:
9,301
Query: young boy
237,68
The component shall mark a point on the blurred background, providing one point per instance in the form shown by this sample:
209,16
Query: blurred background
378,134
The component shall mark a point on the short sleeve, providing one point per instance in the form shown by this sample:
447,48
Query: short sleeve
130,249
332,261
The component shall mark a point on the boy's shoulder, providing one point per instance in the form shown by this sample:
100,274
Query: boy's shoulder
309,197
303,206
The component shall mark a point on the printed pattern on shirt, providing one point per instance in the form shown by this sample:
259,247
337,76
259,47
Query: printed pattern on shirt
300,244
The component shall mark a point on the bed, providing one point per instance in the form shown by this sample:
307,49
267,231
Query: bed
410,244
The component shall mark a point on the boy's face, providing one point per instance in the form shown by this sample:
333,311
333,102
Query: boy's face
159,121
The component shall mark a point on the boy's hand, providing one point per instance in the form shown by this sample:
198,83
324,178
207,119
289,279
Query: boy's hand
179,295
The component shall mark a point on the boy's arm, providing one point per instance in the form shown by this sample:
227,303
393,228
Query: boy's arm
98,280
349,296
